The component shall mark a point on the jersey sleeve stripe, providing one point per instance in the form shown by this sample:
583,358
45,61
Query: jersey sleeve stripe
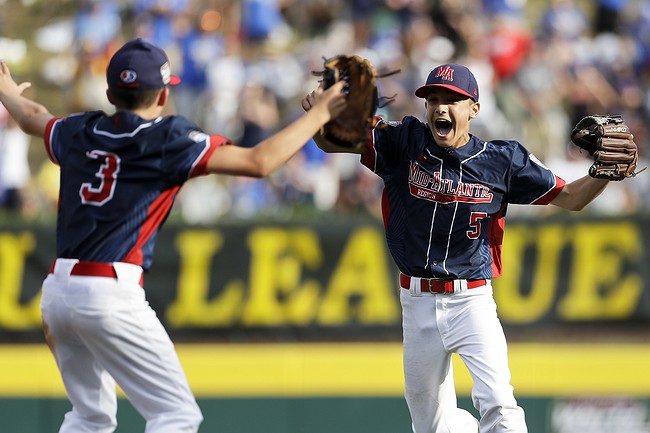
551,193
369,159
495,235
49,131
214,141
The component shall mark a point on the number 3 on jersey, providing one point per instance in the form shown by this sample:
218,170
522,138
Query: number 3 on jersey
107,173
475,223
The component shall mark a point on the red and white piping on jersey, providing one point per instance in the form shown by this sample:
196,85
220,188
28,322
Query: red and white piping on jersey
212,142
495,237
49,128
156,214
553,192
127,134
369,159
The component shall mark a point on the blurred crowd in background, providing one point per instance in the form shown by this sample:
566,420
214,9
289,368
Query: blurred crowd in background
541,66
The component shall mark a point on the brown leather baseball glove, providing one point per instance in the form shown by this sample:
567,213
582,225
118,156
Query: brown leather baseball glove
353,125
608,139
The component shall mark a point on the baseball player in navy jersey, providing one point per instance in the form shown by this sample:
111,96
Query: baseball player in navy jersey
119,176
445,198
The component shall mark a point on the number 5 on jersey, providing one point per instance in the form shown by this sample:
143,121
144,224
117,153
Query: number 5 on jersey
475,224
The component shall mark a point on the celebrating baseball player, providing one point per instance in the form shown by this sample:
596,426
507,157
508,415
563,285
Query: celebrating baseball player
445,198
119,176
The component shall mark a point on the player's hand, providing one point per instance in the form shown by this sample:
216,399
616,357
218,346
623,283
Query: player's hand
31,116
332,99
7,84
310,99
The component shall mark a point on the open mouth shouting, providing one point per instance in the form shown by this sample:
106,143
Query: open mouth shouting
443,127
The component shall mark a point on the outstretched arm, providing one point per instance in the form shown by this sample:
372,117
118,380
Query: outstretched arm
31,116
579,193
268,155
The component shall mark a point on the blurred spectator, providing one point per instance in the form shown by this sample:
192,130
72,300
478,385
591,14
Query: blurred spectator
204,200
252,198
45,189
607,16
361,14
14,164
156,20
451,18
636,25
360,193
509,42
565,20
96,25
313,18
259,18
482,58
199,42
259,113
545,124
226,80
497,7
97,33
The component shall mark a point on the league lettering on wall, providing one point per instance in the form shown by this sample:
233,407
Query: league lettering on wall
336,279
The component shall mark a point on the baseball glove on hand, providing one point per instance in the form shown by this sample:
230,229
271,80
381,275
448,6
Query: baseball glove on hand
608,139
353,125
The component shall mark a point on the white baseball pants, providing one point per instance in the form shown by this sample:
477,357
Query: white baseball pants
102,331
437,325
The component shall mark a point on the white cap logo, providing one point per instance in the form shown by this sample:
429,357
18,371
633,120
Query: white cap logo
165,73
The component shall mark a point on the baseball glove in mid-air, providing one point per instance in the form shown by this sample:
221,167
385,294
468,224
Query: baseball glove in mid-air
611,144
353,125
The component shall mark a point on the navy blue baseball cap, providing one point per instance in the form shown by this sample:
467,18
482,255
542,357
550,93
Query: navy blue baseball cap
451,76
140,65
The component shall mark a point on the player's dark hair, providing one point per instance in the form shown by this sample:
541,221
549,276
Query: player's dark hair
129,99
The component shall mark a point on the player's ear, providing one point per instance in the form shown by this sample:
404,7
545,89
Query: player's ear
162,97
474,109
109,96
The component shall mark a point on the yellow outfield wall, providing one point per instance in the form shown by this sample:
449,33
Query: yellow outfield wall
355,369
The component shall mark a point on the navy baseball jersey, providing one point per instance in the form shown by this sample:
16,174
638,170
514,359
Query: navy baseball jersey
119,177
444,208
